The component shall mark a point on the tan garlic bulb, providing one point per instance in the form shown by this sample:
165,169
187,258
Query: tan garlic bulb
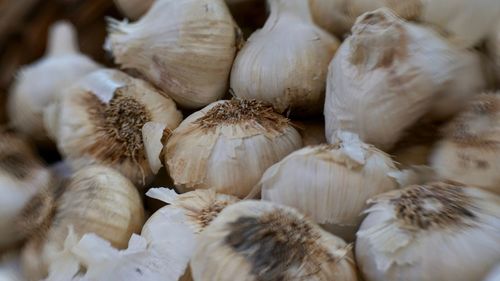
258,240
40,83
97,200
384,78
240,137
133,9
330,183
186,48
332,15
285,63
23,177
100,120
430,232
312,132
470,151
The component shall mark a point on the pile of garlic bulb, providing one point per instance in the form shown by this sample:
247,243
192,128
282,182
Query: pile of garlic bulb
342,140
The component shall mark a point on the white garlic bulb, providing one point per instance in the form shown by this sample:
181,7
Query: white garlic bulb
40,83
286,62
312,132
470,151
258,240
133,9
100,120
240,137
494,274
186,48
24,181
387,75
330,183
97,200
430,232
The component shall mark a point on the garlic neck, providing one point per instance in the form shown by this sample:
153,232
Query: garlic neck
62,39
298,9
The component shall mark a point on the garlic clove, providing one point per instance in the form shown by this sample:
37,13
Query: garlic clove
382,79
430,232
109,109
240,137
257,240
154,135
287,71
329,185
470,151
36,85
186,48
133,9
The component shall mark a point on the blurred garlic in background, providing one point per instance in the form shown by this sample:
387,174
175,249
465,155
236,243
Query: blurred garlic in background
97,200
312,132
40,83
23,177
430,232
388,74
470,151
257,240
186,48
100,121
330,183
332,15
286,62
240,137
133,9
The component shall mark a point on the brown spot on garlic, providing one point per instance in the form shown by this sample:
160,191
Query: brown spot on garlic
274,243
435,205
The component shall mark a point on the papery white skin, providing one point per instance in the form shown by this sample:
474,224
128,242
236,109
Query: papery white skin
152,134
494,274
196,157
186,48
384,78
216,261
133,9
286,62
76,131
40,83
326,184
388,250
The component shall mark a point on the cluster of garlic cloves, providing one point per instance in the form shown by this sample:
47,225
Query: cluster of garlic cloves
286,62
330,183
39,84
257,240
382,80
111,110
399,237
240,137
186,48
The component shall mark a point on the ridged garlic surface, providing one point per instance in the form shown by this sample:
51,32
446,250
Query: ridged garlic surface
286,62
23,181
100,120
186,48
389,73
330,183
97,200
258,240
312,132
430,232
240,137
40,83
133,9
470,151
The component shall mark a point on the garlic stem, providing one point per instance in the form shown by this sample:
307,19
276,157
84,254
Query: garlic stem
62,40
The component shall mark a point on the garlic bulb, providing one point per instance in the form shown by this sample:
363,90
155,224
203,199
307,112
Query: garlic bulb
257,240
312,132
109,109
332,15
133,9
23,180
287,71
470,151
242,138
494,274
384,78
186,48
430,232
97,200
330,183
40,83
